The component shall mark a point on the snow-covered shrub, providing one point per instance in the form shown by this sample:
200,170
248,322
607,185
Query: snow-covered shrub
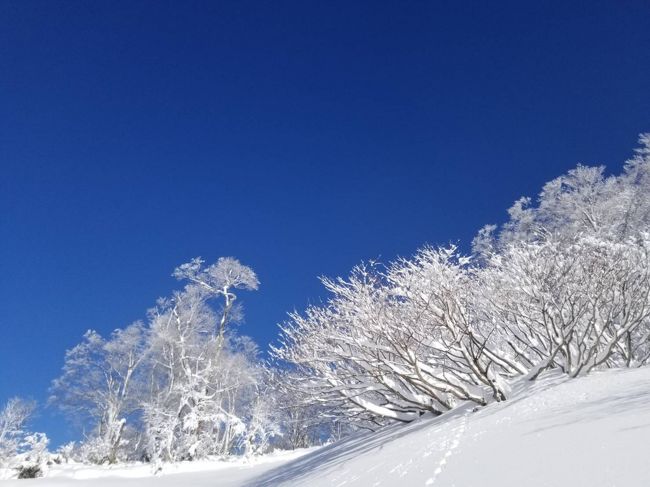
398,342
29,471
562,284
34,458
573,305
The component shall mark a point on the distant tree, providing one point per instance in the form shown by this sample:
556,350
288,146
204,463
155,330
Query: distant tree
582,202
96,387
13,419
304,419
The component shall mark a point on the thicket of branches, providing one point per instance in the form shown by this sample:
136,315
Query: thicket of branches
565,284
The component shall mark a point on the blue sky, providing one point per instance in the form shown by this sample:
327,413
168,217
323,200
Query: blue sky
300,137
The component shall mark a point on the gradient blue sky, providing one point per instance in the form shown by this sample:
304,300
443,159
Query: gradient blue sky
300,137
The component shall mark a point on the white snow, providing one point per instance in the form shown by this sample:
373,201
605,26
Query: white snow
233,473
593,431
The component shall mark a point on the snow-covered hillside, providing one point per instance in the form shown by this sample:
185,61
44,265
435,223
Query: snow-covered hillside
593,431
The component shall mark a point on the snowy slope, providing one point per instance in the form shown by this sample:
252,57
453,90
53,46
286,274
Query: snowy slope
593,431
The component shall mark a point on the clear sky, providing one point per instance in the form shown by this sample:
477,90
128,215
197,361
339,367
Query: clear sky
300,137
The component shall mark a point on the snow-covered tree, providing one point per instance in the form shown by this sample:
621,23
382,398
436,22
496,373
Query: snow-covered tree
23,454
396,343
97,387
573,305
582,202
13,418
198,370
303,418
262,416
66,451
589,219
562,284
220,279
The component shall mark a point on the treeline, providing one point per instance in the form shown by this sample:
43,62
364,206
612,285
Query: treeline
184,385
563,284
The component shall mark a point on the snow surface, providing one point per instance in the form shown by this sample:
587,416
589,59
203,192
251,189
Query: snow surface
593,431
237,472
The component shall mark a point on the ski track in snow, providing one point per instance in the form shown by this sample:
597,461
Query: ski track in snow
455,442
